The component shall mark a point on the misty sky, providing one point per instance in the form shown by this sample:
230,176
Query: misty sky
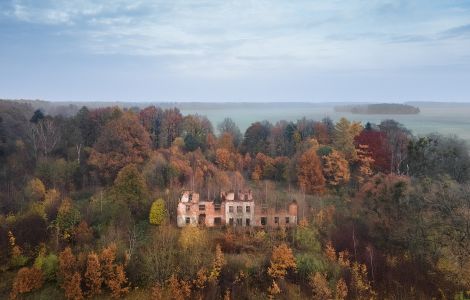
227,50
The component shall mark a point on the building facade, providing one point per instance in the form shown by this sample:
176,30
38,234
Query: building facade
232,209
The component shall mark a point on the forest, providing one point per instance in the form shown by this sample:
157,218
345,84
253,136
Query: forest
88,208
380,109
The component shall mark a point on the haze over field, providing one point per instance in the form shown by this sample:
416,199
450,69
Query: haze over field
378,51
235,149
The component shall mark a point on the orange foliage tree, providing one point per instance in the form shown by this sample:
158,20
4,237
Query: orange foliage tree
336,168
320,287
360,284
282,260
26,280
224,159
71,278
73,289
93,278
114,276
365,162
309,172
123,141
179,289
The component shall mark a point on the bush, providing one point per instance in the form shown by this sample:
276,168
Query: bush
48,265
309,264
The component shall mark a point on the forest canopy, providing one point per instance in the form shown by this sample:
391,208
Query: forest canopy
88,205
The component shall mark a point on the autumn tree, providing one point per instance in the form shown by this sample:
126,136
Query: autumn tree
157,212
17,259
123,141
67,217
321,133
26,280
171,127
67,264
360,284
224,159
336,168
196,129
383,200
130,189
282,260
192,238
93,278
82,233
255,140
113,274
344,134
309,172
35,190
320,286
364,163
377,147
273,290
341,290
179,289
73,289
228,127
152,118
69,275
48,264
219,262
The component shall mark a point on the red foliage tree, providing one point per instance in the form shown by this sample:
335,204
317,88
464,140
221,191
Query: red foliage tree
377,148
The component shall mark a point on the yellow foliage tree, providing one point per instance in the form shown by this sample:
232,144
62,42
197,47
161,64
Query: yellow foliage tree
273,290
35,190
192,237
219,262
341,291
282,260
157,212
360,284
336,168
344,134
320,287
179,289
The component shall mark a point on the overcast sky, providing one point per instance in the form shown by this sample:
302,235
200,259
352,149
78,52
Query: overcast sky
227,50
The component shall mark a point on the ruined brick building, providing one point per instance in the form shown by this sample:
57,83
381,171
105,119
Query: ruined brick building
232,209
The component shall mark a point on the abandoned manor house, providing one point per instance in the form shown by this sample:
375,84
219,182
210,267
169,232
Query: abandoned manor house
232,209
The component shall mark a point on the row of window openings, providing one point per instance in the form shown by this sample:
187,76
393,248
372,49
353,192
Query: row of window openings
264,221
239,209
202,207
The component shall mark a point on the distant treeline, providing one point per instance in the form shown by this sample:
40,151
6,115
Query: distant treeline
379,109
